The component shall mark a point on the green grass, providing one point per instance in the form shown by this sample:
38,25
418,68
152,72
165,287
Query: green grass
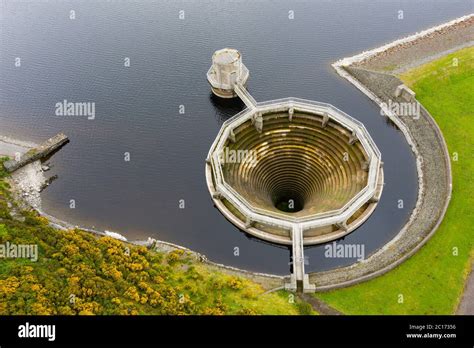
431,282
239,295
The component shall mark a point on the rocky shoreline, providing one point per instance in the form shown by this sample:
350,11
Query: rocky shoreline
416,49
28,181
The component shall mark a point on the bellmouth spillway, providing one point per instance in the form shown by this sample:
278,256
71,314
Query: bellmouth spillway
302,173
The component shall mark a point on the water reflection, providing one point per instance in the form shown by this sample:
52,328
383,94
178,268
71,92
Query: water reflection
225,108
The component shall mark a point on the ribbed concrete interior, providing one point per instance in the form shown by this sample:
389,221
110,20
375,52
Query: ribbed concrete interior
302,161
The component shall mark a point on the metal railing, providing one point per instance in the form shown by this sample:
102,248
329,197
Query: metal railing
281,220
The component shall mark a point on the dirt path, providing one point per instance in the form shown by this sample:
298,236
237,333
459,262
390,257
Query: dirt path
319,306
466,306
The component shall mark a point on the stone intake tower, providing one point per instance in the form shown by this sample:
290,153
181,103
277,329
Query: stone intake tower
227,69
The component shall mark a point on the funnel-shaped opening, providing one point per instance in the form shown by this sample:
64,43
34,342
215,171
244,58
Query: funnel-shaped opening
299,167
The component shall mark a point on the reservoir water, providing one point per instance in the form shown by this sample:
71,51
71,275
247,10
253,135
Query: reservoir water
137,107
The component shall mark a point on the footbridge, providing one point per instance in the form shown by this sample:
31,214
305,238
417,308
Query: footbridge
244,95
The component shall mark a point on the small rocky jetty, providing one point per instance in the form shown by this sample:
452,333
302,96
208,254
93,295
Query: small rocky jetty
38,153
28,179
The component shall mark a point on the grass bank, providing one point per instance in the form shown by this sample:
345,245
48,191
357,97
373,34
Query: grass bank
79,273
431,282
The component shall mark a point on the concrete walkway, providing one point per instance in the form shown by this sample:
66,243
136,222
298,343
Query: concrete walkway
9,147
245,96
466,306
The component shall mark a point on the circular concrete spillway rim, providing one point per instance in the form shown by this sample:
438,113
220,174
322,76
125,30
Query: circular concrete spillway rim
219,188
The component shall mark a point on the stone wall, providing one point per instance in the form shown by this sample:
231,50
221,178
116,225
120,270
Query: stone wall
434,173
